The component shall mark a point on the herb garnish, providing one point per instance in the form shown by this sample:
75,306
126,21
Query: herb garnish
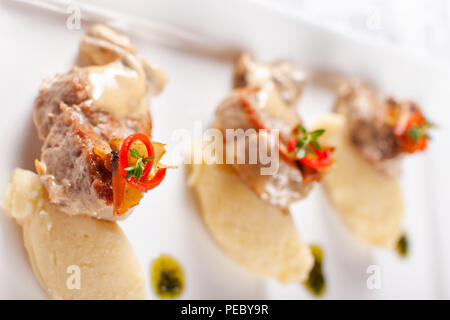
419,131
138,168
305,141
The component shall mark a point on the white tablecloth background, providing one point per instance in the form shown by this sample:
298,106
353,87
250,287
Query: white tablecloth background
419,26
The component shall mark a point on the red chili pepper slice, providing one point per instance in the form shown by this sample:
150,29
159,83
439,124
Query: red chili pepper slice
319,160
416,119
145,185
407,142
291,144
125,149
409,146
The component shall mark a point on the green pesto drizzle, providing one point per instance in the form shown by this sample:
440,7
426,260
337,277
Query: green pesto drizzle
402,246
167,277
316,283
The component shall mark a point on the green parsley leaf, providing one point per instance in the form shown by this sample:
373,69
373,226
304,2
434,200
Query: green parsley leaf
147,159
138,175
134,153
317,133
129,175
305,141
316,145
138,169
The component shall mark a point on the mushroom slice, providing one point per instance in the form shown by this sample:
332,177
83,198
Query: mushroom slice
283,77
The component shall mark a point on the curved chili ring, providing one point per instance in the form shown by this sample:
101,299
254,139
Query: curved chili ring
323,156
323,159
125,148
407,144
148,184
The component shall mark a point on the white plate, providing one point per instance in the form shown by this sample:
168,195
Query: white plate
36,44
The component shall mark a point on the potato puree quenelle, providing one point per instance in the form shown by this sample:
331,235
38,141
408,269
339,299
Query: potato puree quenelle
61,247
257,236
370,204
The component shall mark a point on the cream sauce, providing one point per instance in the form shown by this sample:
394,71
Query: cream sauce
118,89
272,103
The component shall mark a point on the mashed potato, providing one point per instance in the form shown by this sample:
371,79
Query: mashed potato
370,204
257,236
73,257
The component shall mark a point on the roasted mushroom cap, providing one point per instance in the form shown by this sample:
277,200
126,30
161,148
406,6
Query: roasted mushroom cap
286,79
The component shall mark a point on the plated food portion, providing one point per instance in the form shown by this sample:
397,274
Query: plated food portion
382,131
371,138
356,151
83,117
245,204
97,161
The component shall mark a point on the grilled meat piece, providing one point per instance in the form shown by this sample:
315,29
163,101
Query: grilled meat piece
78,113
369,127
253,109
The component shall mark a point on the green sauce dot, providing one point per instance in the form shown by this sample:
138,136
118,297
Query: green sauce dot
316,283
167,277
402,246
